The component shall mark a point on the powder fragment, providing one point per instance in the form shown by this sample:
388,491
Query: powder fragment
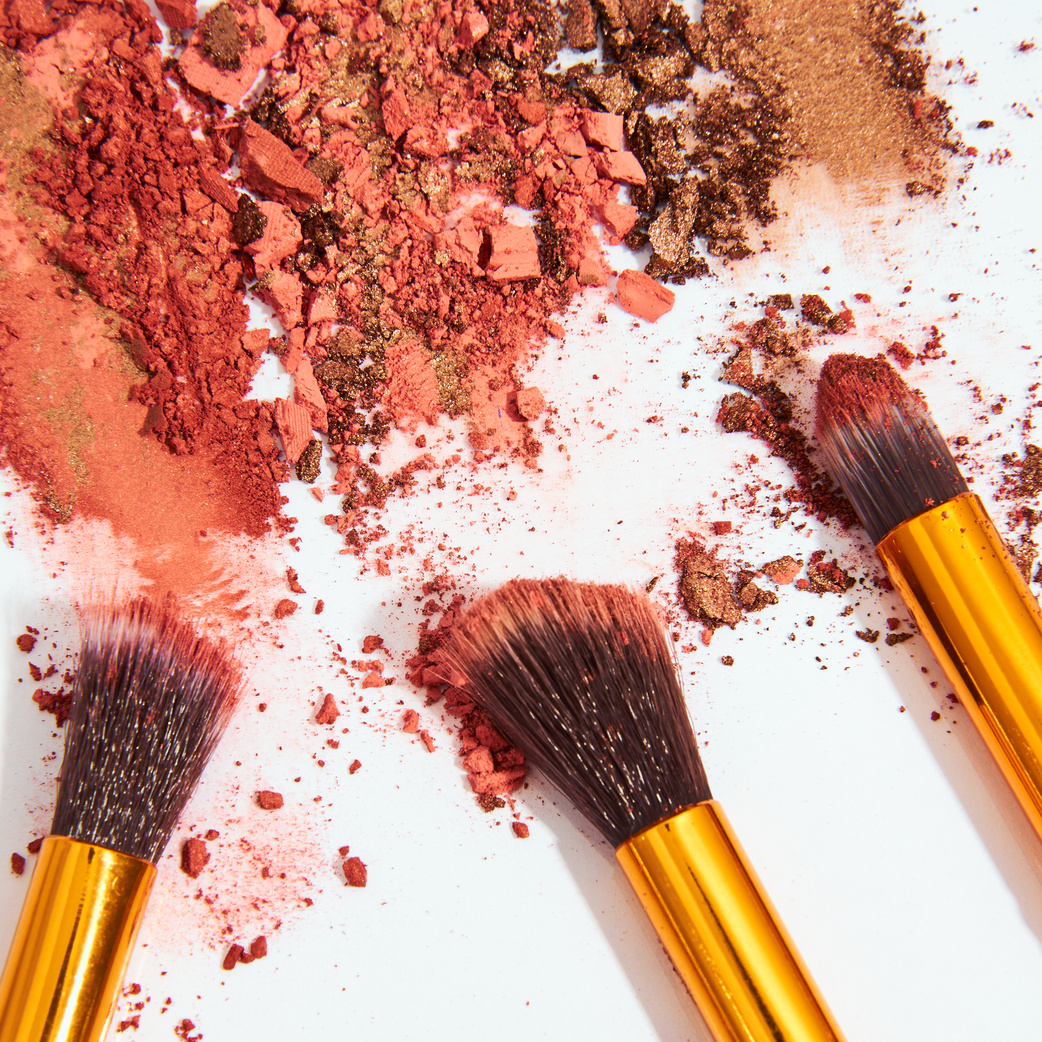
355,872
178,14
373,679
515,253
784,570
479,761
867,635
355,766
328,711
232,956
35,844
520,829
603,130
530,403
134,1022
284,608
268,800
293,580
194,857
473,27
294,425
410,721
705,590
223,41
370,643
269,167
26,642
259,947
727,660
17,864
496,783
897,638
425,737
309,463
642,296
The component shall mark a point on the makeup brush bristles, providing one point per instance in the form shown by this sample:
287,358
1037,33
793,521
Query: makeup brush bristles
150,703
582,678
881,444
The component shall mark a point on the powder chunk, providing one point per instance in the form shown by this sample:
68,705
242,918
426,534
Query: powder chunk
178,14
328,711
282,291
262,34
515,253
17,864
30,16
373,679
603,129
617,218
473,26
705,589
371,643
232,957
259,947
520,829
26,642
425,737
784,570
294,424
278,238
642,296
356,765
621,166
355,872
479,761
194,857
496,782
269,167
410,721
530,402
284,607
268,800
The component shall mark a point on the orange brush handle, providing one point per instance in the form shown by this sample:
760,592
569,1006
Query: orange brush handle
972,605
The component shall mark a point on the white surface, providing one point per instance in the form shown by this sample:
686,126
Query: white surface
899,864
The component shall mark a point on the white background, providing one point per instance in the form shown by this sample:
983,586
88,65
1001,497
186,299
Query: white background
898,862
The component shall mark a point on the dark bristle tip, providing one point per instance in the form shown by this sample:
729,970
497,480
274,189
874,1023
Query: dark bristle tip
881,444
583,679
151,700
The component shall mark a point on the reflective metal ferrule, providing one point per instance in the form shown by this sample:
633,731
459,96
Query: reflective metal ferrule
72,943
981,621
722,932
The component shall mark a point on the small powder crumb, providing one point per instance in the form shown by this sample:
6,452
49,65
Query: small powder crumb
640,295
211,834
935,716
26,642
355,765
232,956
34,845
784,570
268,800
410,721
328,711
194,857
371,643
355,873
320,606
17,864
867,635
721,527
259,947
284,607
727,660
373,679
293,580
520,829
131,1023
427,741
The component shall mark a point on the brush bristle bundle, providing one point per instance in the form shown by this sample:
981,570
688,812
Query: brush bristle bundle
150,703
582,678
881,444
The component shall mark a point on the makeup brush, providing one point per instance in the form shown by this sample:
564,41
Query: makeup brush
581,676
945,557
150,702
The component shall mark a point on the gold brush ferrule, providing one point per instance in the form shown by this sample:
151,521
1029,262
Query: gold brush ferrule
722,932
72,943
976,612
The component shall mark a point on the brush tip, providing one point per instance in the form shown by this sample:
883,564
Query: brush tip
881,444
151,699
581,676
